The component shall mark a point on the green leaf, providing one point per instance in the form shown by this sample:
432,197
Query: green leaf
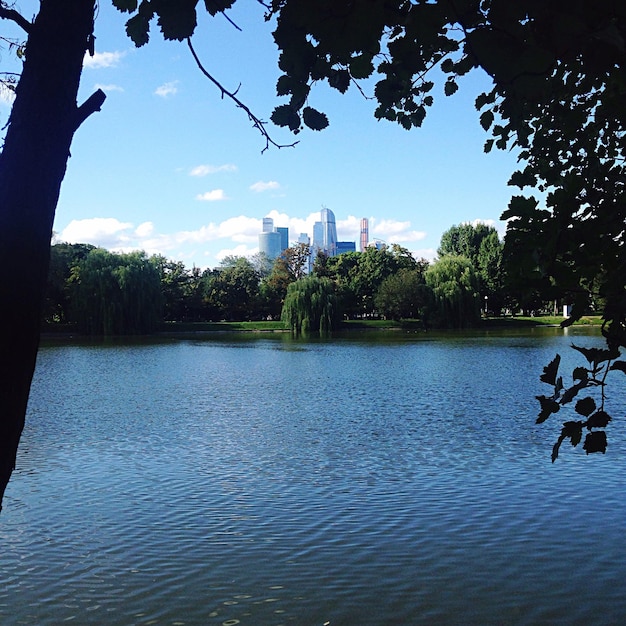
600,419
138,29
483,99
314,119
488,146
285,115
595,442
597,355
550,371
218,6
585,407
340,80
361,66
176,18
548,406
450,87
126,6
486,119
447,66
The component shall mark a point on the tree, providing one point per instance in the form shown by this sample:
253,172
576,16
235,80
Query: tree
480,244
234,289
311,306
297,259
116,294
455,287
403,295
273,289
63,258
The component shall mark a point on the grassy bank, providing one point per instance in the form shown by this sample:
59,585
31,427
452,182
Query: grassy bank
276,326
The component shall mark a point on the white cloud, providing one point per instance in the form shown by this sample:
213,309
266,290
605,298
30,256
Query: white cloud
144,230
167,89
264,186
106,88
204,170
102,59
393,231
106,232
214,195
241,250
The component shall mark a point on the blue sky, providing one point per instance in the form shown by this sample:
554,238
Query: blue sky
170,167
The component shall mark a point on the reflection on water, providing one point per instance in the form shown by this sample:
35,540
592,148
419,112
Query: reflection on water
387,479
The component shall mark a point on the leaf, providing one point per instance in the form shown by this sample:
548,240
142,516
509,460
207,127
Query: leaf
450,87
488,146
218,6
550,371
600,419
314,119
572,392
619,366
548,406
447,66
138,29
125,6
361,66
595,442
285,115
585,407
483,99
340,80
580,373
571,431
486,119
597,355
176,19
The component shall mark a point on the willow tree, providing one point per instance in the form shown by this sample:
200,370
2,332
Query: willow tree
454,285
311,306
117,294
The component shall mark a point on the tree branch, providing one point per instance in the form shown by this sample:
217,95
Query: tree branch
91,105
15,16
256,122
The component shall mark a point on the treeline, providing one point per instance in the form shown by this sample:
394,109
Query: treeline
105,293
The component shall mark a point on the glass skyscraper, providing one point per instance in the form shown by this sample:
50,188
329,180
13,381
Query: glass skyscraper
325,233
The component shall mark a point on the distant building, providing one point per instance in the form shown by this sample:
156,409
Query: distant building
325,234
345,246
270,244
272,241
364,233
284,237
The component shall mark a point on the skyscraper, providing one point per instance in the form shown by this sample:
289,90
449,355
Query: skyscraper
329,232
272,241
364,233
268,225
269,244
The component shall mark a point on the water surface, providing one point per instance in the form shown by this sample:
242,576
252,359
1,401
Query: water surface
373,479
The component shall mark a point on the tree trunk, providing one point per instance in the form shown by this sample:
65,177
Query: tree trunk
32,166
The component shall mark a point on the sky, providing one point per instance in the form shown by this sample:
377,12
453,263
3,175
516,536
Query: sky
170,167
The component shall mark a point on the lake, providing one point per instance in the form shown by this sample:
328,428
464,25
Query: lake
379,478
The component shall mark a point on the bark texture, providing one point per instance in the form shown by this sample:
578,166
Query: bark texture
43,120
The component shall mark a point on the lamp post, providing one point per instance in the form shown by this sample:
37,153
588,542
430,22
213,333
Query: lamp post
486,299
